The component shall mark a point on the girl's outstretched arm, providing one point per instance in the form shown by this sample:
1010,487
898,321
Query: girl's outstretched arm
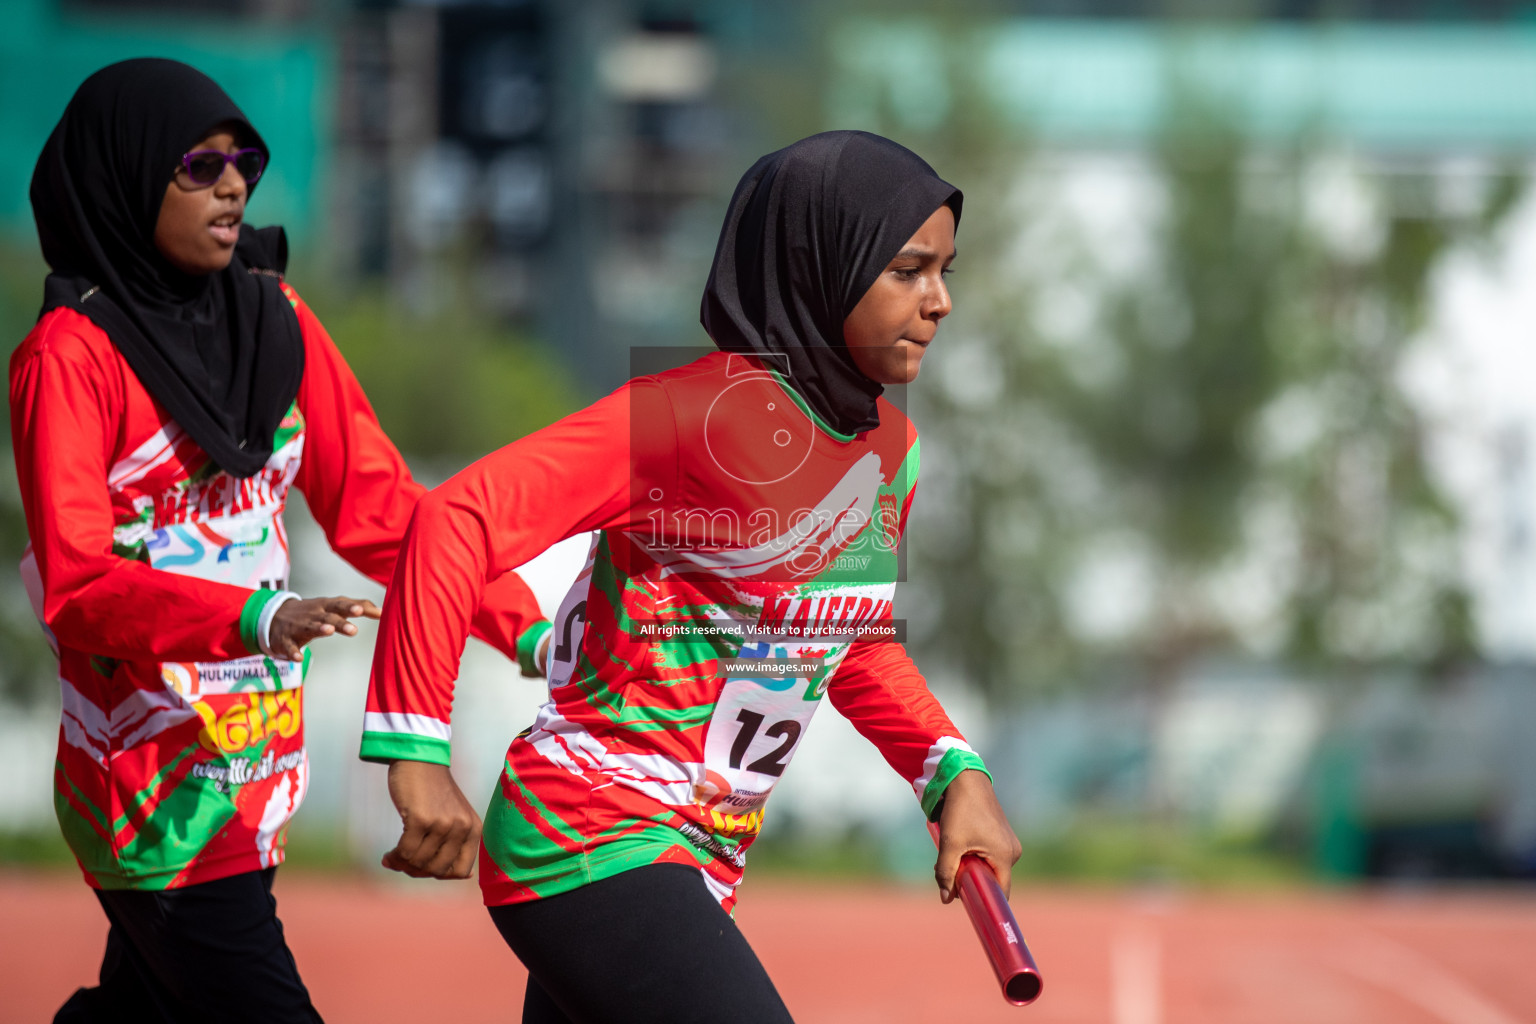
882,693
574,476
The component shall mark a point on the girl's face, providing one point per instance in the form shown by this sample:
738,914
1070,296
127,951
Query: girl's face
893,324
199,224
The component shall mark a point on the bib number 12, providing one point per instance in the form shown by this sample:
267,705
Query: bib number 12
773,762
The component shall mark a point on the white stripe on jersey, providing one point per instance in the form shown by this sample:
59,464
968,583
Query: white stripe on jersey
146,713
721,891
564,743
157,448
403,722
662,778
85,725
570,746
935,755
140,715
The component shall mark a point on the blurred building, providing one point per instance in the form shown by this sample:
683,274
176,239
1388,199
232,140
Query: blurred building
542,154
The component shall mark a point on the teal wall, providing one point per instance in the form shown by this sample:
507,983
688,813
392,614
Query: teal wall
1386,87
282,76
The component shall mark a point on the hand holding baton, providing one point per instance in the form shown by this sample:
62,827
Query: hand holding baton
997,929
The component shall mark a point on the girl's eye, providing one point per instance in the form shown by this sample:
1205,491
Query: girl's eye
205,167
906,273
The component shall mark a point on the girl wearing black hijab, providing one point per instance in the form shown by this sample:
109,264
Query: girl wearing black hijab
172,391
750,507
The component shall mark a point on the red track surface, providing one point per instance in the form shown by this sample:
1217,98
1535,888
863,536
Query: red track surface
414,951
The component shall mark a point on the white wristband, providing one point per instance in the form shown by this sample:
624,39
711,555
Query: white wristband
264,622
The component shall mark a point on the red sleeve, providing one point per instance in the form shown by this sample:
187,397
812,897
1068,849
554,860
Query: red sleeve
361,492
882,693
66,408
573,476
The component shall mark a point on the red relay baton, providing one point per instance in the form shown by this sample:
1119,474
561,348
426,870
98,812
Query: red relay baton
997,929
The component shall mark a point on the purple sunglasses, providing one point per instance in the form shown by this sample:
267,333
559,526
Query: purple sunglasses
206,166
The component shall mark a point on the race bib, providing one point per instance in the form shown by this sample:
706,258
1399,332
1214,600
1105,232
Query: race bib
255,674
759,719
569,624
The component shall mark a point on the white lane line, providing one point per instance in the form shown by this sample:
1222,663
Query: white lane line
1135,975
1419,980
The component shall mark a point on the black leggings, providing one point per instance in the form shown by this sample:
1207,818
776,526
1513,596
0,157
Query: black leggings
207,952
647,945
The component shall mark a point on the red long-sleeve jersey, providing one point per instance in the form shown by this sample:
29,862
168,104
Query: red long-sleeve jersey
181,748
745,566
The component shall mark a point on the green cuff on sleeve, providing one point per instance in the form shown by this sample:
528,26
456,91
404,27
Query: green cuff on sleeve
250,617
403,746
528,646
951,764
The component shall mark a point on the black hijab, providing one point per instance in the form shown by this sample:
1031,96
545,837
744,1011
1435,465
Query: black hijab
809,230
221,352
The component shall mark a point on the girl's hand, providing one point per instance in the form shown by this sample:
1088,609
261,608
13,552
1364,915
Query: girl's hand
973,822
298,622
439,830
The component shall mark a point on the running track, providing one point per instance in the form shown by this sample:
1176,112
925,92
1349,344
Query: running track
380,951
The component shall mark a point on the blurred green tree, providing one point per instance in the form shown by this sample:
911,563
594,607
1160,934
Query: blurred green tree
1176,428
449,384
